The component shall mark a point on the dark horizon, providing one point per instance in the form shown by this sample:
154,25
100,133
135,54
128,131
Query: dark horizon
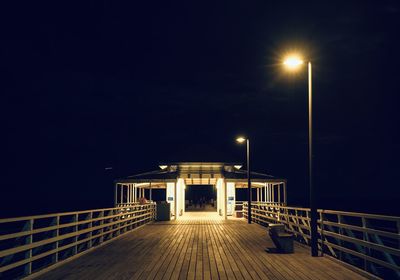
127,86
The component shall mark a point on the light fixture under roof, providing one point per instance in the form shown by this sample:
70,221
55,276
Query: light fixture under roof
237,166
163,166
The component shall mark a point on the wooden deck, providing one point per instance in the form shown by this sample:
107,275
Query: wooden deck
198,246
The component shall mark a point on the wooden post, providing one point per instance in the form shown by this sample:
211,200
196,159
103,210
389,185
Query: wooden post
365,238
76,220
340,233
56,222
258,195
28,254
90,218
398,232
321,217
101,238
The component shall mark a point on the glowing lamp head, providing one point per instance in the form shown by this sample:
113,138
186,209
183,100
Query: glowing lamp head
241,140
293,62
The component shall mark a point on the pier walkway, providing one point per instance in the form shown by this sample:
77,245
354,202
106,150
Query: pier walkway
198,246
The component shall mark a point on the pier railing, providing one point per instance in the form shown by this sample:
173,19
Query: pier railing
369,242
31,244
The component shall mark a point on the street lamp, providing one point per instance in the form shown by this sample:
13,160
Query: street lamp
294,62
241,140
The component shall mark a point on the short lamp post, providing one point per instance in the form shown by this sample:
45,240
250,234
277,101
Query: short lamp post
241,140
294,62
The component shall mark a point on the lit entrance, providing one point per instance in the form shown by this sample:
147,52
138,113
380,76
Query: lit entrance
200,198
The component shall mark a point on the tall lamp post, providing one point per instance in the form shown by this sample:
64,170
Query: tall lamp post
294,62
242,140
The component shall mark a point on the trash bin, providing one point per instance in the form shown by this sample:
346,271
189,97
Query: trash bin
163,210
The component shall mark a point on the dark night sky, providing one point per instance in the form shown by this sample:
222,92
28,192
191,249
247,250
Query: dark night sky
96,84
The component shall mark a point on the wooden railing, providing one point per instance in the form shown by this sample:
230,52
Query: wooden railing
368,242
127,204
31,244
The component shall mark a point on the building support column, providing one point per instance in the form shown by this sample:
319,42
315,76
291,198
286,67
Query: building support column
115,194
131,196
134,192
273,192
284,194
150,194
176,200
127,194
279,193
265,192
225,199
121,193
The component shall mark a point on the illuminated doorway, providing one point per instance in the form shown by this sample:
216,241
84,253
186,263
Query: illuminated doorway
200,198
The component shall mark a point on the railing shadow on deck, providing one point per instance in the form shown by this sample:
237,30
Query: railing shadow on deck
31,244
369,242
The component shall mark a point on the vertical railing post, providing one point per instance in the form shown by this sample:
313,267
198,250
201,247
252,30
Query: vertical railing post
321,218
101,223
398,232
89,217
279,214
56,222
119,221
367,250
340,233
75,248
106,221
28,240
308,223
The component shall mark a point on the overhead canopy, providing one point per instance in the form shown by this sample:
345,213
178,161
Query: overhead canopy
198,173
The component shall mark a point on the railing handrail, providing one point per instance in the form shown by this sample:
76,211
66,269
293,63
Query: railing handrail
344,213
64,225
58,240
43,216
336,229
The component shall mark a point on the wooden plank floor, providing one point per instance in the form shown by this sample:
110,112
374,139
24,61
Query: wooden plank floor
198,246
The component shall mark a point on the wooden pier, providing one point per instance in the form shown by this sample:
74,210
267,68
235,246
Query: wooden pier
198,246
